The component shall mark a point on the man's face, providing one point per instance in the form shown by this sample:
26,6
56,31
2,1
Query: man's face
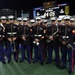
71,22
39,21
59,23
19,22
67,22
25,22
33,23
53,22
3,21
11,21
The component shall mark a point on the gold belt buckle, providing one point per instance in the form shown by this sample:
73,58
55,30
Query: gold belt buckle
73,42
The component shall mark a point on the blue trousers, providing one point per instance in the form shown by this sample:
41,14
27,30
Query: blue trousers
10,49
38,53
74,52
2,54
28,50
70,52
50,51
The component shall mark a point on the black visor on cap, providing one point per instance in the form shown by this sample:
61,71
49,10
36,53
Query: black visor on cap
3,19
32,22
24,20
38,19
19,20
52,20
11,19
44,22
67,19
71,21
59,21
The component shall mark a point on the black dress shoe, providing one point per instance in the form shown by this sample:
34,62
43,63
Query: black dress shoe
29,62
58,66
74,63
16,60
70,72
21,60
42,63
48,62
62,67
34,61
8,61
4,62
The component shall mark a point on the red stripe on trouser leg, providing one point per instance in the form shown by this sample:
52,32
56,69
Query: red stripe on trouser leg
43,52
17,54
72,61
30,55
58,58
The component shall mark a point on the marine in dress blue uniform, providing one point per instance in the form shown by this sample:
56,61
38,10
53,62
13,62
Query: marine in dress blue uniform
38,36
2,45
52,35
32,24
3,24
11,36
66,48
19,25
73,34
26,41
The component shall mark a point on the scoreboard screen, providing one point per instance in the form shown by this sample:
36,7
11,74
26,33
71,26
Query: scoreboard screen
60,9
46,12
38,11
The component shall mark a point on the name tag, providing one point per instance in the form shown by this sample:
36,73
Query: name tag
12,33
65,37
38,35
23,35
0,35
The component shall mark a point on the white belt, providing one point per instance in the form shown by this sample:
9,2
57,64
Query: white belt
23,35
0,35
12,33
38,35
65,37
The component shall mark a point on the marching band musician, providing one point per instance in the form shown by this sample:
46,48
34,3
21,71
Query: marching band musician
2,39
32,24
53,43
19,25
66,48
11,36
45,43
3,24
73,35
38,36
59,21
26,41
